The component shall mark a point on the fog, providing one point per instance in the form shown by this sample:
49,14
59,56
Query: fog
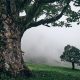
45,44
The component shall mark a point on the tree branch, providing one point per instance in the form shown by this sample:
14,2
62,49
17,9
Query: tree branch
53,19
25,2
32,12
40,2
48,1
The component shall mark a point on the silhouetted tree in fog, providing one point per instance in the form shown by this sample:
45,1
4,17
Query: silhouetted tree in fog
71,54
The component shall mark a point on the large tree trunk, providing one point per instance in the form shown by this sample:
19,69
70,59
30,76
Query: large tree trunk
73,65
12,54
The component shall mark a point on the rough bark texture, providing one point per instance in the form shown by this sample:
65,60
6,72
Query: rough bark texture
11,58
2,64
12,54
2,47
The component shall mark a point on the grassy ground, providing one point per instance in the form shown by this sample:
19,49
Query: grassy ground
44,72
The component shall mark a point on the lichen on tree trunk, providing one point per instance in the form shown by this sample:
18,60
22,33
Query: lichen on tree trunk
12,53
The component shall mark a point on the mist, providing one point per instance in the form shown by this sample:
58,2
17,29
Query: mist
45,44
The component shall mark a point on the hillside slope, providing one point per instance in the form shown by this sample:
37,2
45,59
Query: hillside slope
45,72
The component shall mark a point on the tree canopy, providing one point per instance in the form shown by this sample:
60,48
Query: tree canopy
71,54
53,10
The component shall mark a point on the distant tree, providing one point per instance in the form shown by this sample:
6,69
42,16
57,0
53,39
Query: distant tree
71,54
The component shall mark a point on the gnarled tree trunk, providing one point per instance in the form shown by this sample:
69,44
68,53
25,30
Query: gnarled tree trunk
10,50
12,53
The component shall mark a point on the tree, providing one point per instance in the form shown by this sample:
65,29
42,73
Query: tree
71,54
12,26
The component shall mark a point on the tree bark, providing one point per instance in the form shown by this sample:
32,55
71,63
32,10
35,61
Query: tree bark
12,54
73,65
2,64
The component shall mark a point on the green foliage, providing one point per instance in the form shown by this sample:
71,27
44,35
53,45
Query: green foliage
71,54
77,3
51,8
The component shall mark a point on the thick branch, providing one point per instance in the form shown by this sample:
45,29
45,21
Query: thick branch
40,1
31,15
53,19
32,12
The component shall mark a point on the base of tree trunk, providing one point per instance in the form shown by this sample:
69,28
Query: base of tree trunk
26,72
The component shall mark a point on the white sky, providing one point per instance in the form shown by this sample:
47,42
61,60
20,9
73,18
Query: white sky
48,42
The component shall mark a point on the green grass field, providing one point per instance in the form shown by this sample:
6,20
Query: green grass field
45,72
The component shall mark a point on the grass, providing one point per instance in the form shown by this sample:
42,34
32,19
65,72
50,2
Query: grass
45,72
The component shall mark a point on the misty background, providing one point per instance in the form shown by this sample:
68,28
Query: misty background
45,44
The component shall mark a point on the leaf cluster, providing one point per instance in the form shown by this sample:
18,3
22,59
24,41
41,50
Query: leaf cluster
52,9
71,54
